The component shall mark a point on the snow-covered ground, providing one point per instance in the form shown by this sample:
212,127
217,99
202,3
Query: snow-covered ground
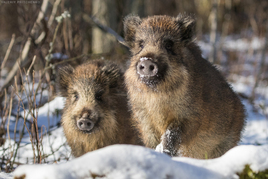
124,161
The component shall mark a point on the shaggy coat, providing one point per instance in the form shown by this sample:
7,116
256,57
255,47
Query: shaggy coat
95,93
183,102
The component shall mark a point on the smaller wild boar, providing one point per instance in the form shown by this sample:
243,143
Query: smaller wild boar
95,113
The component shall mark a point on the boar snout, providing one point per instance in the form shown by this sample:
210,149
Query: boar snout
146,67
85,123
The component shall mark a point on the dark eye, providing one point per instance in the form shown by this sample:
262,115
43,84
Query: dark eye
98,95
141,43
169,45
76,96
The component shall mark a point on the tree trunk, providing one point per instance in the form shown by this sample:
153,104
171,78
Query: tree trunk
105,12
213,33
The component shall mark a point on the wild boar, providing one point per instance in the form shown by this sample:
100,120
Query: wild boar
177,97
96,113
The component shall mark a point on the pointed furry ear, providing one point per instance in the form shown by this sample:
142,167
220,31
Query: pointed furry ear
63,79
114,74
187,27
131,22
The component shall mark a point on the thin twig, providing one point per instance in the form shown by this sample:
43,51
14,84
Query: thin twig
8,51
36,125
53,13
10,109
16,148
4,118
28,71
15,68
8,121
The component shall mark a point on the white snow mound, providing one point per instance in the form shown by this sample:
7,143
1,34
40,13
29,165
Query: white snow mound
127,161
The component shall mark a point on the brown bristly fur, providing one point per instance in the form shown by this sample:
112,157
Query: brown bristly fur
86,81
189,107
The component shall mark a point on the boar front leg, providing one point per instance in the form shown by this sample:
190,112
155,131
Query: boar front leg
171,141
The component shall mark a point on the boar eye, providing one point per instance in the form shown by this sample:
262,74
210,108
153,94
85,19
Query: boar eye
76,96
141,43
168,44
98,95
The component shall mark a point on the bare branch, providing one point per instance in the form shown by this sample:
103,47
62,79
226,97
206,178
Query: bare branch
106,29
15,68
10,110
8,50
28,71
40,17
53,13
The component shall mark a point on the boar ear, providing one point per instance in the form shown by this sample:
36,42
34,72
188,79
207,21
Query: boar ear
131,22
114,74
63,79
187,27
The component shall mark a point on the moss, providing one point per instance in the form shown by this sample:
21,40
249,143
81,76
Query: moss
249,174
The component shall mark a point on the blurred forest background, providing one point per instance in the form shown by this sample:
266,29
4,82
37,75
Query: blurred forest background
33,44
27,27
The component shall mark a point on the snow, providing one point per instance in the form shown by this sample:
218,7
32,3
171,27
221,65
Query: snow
234,160
126,161
4,175
160,147
232,44
243,44
59,56
118,161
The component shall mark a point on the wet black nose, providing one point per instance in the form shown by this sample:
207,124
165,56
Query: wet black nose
84,123
147,68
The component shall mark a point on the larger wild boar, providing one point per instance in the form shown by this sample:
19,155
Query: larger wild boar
178,98
95,113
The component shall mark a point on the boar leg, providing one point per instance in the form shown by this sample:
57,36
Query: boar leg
171,141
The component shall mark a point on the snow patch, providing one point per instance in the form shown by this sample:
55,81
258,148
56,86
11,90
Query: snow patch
234,160
6,175
118,161
126,161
